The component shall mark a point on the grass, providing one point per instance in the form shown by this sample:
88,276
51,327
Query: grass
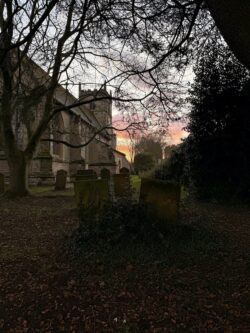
136,186
50,191
135,182
41,189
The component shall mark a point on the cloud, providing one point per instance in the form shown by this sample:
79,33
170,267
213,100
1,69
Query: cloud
176,132
175,135
124,149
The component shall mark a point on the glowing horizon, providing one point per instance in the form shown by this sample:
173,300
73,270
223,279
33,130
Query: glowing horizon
175,134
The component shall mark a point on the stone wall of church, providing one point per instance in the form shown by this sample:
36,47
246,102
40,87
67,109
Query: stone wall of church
4,168
72,128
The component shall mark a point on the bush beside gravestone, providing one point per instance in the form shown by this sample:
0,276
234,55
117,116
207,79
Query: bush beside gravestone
122,223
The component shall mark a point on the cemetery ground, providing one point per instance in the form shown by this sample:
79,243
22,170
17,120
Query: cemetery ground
197,282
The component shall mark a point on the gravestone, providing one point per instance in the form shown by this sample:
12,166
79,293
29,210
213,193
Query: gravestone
124,171
122,186
162,199
85,175
91,193
135,186
1,183
61,179
105,173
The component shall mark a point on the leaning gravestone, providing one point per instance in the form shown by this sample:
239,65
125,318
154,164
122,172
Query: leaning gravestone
162,199
91,193
1,183
122,186
61,179
85,175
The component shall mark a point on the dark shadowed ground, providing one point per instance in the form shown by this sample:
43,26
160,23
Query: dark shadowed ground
44,290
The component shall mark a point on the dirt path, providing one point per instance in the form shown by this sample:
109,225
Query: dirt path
42,291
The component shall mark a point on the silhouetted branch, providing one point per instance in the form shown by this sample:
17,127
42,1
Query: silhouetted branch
130,126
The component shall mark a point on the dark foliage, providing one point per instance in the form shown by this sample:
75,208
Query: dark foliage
150,144
214,160
217,151
123,221
143,162
172,168
123,232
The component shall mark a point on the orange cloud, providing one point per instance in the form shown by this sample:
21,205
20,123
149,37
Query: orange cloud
177,133
124,149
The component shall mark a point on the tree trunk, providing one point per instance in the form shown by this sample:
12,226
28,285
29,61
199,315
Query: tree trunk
19,166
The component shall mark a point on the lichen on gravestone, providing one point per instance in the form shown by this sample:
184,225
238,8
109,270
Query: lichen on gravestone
91,193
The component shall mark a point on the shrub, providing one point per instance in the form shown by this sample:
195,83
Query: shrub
143,162
123,221
173,168
123,234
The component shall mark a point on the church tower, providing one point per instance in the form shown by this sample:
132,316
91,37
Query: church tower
102,109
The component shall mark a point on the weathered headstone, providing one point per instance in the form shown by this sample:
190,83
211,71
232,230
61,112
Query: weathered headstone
85,175
61,179
124,171
105,173
91,193
162,199
122,186
135,186
1,183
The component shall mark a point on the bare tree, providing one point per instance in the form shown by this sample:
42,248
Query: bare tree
130,44
151,143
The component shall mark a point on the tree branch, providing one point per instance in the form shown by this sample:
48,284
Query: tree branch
132,125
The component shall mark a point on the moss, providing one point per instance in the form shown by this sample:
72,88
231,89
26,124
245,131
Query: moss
91,193
135,183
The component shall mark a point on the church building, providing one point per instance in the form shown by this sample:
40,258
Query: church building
75,126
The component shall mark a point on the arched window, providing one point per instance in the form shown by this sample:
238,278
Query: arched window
57,132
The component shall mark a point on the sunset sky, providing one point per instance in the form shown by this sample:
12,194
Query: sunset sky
175,130
176,133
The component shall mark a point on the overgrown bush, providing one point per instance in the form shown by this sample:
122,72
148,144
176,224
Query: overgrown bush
123,221
117,240
219,125
173,167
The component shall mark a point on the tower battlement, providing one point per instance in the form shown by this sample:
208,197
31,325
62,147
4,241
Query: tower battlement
102,108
